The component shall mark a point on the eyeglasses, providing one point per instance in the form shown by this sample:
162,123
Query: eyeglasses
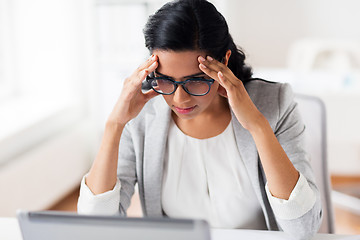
195,86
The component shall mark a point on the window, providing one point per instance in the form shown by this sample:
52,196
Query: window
121,46
44,47
6,47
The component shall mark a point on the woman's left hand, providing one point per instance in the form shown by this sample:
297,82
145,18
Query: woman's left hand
280,173
232,88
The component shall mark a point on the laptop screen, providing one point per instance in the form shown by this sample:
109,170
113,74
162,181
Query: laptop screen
61,225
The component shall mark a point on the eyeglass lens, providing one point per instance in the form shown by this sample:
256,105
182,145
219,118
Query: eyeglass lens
196,87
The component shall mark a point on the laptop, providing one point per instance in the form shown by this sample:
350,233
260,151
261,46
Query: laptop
53,225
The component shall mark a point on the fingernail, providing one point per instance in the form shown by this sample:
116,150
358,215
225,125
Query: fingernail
202,65
153,64
220,74
209,58
202,59
153,57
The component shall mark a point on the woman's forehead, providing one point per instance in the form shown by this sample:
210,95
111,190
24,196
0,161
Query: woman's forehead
178,64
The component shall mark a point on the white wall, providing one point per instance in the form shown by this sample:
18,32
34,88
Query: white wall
266,29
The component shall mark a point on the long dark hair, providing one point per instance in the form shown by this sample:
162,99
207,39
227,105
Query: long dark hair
194,25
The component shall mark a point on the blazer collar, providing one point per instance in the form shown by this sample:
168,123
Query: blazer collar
248,152
157,127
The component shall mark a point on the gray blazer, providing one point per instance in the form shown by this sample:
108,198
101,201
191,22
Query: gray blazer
143,142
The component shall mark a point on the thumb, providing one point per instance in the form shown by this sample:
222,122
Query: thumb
150,94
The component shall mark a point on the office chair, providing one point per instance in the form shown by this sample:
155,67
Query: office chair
312,110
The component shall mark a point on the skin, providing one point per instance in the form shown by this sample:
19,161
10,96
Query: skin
280,172
209,116
211,113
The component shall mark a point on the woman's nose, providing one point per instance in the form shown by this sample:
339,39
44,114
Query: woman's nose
180,96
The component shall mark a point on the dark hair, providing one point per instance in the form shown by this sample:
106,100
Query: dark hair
194,25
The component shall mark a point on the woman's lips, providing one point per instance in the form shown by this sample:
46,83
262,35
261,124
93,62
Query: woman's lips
184,110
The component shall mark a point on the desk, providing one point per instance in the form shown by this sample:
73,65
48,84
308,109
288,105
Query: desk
9,230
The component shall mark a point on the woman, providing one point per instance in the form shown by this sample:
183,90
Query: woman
216,145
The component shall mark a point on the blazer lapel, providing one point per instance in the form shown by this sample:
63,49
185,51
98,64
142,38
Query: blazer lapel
157,126
249,155
248,152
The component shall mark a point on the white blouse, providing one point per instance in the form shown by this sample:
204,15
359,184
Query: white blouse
206,179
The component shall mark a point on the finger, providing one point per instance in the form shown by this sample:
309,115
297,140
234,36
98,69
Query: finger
211,73
214,64
152,67
142,74
211,63
148,62
226,82
221,77
150,94
221,90
205,67
215,67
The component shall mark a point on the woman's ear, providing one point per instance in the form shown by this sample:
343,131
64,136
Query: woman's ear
222,91
227,57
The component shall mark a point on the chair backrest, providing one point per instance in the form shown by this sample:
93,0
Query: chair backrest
312,110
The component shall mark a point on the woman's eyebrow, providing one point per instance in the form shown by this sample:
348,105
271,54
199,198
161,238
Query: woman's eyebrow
189,76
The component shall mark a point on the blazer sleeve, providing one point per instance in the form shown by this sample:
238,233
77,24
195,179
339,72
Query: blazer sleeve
118,199
126,170
289,131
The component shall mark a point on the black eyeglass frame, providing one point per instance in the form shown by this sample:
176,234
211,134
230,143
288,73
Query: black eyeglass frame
209,82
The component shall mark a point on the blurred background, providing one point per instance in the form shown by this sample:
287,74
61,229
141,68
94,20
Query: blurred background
63,62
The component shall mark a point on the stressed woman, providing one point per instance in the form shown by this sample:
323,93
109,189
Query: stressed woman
207,140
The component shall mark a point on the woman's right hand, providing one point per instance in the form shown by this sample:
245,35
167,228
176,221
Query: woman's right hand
103,173
132,99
